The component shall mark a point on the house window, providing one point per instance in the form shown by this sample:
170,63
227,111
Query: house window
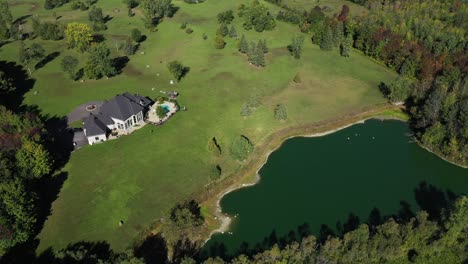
96,138
120,126
134,119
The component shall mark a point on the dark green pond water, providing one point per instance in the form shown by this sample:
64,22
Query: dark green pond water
337,180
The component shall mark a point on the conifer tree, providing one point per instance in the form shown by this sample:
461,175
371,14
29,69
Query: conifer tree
264,46
326,43
232,32
259,57
243,45
251,52
222,30
338,34
346,45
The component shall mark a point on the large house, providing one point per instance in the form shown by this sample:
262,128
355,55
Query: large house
119,115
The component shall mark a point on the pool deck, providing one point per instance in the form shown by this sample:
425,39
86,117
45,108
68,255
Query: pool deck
153,117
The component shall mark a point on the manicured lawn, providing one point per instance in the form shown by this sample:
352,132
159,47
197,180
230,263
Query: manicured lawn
137,178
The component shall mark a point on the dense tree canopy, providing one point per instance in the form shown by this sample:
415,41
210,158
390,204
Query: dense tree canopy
99,62
6,20
155,10
22,157
256,16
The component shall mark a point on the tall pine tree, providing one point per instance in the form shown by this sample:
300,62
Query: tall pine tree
346,45
338,34
326,43
232,32
243,45
259,57
263,45
251,52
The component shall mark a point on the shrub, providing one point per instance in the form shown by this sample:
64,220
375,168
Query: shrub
280,112
215,173
183,25
204,36
222,30
136,35
245,110
225,17
297,78
241,148
189,31
219,42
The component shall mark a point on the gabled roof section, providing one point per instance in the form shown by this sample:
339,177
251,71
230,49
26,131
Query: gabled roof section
121,107
139,99
94,126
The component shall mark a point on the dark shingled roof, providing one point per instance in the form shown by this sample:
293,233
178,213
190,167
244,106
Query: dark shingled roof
94,126
123,106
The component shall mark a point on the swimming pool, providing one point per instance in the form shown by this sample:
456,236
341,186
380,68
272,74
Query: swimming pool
166,107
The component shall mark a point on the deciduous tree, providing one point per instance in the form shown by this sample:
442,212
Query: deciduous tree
78,36
69,64
99,62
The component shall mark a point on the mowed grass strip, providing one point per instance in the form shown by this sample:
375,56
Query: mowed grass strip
137,178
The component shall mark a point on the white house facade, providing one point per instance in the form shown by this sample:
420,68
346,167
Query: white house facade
120,115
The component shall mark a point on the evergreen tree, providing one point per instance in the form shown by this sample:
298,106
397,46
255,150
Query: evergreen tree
280,112
326,42
243,45
222,30
232,32
295,48
251,52
259,57
129,48
264,46
338,34
346,46
245,110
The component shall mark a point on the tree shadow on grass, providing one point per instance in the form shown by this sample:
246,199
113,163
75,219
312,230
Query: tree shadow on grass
47,59
120,63
21,81
153,249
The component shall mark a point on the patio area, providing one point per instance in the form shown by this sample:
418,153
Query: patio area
169,107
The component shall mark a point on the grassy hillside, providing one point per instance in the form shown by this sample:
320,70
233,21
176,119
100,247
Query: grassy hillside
137,178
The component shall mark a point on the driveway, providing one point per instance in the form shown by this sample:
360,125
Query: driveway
80,112
79,139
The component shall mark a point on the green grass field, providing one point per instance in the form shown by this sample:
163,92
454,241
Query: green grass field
137,178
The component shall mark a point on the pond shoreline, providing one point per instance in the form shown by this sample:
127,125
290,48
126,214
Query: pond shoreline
258,160
274,144
226,219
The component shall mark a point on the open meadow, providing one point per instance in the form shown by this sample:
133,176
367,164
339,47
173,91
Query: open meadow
137,178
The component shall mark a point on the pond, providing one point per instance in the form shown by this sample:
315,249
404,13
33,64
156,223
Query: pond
330,184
